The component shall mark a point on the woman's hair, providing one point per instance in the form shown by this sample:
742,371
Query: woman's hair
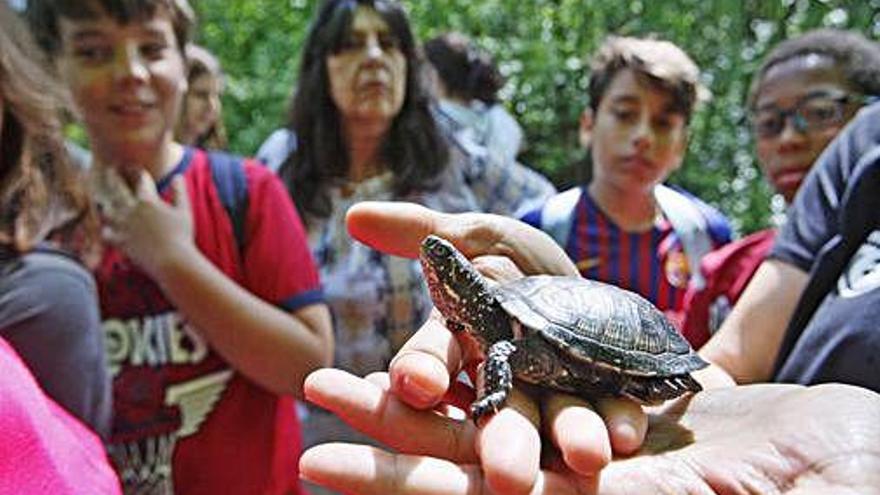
466,72
201,62
856,57
41,195
414,150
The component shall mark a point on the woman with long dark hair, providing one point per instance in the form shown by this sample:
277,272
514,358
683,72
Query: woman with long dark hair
362,125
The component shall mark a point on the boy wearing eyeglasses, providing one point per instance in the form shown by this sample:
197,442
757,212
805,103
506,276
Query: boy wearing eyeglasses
804,93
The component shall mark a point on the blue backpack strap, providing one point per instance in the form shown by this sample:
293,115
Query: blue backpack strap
690,226
557,215
229,178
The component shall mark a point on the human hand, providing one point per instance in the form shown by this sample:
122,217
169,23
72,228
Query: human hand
137,221
398,228
756,439
583,433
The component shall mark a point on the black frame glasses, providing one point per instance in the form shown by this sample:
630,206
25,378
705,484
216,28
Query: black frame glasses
812,113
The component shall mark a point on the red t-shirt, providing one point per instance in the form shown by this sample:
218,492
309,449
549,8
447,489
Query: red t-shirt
182,416
728,271
43,448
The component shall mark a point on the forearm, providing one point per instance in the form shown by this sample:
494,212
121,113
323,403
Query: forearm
273,348
747,344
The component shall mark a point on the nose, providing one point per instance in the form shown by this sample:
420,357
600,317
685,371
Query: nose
129,65
373,47
642,134
214,104
790,132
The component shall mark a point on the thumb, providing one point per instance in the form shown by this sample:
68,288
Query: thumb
179,195
145,188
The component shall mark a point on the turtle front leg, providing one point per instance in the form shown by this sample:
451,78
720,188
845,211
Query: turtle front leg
496,380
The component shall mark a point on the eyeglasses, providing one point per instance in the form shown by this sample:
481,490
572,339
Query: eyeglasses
813,113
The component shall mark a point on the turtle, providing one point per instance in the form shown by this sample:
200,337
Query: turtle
559,333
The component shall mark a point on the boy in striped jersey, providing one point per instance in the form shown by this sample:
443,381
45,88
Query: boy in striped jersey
624,227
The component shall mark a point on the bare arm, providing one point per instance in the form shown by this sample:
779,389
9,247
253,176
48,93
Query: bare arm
274,348
748,342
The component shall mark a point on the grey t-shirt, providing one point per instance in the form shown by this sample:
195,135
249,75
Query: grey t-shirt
49,314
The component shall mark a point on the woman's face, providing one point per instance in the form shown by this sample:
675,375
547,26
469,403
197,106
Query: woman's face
202,105
810,89
368,74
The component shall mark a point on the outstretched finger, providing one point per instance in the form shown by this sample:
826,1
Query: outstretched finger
367,470
578,432
422,370
626,421
368,407
399,228
509,446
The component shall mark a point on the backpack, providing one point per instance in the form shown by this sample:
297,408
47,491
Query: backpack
227,170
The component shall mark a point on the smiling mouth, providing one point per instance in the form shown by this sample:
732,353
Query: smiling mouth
131,109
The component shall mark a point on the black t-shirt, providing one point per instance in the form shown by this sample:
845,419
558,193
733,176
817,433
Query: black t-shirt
49,314
833,233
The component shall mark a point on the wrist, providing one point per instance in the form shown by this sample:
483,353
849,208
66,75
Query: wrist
173,260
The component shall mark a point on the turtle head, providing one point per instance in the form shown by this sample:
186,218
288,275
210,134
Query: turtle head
457,289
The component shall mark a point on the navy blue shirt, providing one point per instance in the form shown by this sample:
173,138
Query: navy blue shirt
833,233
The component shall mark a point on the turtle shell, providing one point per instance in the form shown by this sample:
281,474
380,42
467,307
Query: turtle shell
599,323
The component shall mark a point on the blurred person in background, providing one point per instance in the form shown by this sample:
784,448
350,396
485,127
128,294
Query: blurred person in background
467,82
363,129
804,93
201,119
54,385
625,226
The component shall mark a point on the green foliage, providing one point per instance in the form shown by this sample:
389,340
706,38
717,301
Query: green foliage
542,46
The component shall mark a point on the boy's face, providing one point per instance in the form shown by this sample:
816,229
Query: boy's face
636,137
811,90
126,81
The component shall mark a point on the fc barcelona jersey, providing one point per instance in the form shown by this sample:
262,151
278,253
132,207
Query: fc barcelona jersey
651,263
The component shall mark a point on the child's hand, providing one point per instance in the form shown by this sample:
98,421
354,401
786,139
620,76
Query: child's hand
150,231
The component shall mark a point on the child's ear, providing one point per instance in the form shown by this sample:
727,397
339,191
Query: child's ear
585,132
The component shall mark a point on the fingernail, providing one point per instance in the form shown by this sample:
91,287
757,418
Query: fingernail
416,392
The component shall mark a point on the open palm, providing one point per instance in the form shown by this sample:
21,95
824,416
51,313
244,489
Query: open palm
750,439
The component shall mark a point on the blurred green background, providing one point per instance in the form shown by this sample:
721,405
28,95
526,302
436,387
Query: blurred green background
541,46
